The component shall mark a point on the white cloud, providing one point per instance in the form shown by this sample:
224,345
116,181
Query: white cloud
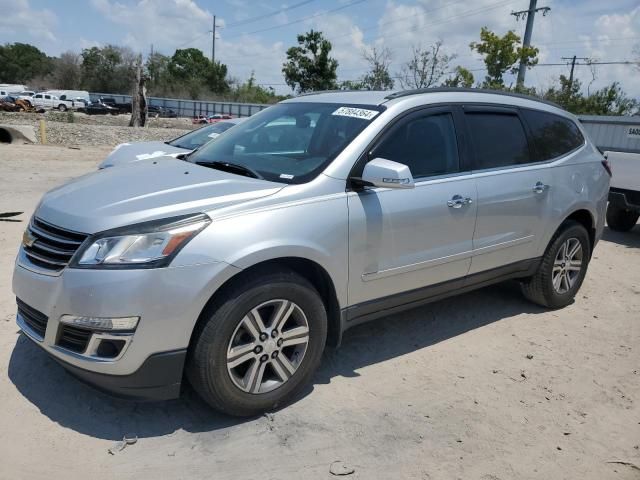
20,22
167,24
561,33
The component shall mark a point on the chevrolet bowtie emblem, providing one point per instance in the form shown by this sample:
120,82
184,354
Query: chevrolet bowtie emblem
28,239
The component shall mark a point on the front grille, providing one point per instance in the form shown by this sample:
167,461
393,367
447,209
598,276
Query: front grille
74,338
52,247
35,320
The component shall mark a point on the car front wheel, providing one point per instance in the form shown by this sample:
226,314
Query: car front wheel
258,344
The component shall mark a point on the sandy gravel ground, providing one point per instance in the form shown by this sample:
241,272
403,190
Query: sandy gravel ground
483,386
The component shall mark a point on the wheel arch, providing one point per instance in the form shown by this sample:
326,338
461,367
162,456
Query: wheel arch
586,218
309,269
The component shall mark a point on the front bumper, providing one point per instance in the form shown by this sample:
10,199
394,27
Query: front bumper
167,300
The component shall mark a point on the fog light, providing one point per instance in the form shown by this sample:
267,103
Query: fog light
110,348
100,323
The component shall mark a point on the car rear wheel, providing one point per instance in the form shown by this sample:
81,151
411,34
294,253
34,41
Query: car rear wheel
620,219
562,269
258,344
62,108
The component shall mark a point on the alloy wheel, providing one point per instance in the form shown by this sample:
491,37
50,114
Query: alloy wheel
268,346
567,265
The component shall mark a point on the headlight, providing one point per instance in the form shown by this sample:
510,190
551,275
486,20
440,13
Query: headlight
147,245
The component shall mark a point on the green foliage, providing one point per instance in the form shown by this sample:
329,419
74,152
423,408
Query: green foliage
609,100
108,69
250,92
195,72
66,71
352,85
309,66
21,62
378,77
462,78
502,55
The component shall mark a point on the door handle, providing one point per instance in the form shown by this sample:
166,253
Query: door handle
458,201
540,187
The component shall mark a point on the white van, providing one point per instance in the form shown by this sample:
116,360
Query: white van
10,88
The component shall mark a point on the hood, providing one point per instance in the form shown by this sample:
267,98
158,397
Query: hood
134,152
146,190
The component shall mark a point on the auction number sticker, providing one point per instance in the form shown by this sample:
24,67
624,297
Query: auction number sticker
362,113
634,132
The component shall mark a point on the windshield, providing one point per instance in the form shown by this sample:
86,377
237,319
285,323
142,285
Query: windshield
199,137
289,142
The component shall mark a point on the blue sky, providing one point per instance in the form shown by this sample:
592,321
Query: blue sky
606,31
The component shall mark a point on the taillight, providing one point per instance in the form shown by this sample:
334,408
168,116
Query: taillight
607,167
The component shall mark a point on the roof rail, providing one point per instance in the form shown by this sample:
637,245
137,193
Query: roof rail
418,91
319,92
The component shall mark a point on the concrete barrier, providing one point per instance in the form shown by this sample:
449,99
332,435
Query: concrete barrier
17,133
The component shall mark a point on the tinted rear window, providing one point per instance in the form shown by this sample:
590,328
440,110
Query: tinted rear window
553,135
498,139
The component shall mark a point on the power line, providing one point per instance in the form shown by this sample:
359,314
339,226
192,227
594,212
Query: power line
272,14
469,13
192,40
299,20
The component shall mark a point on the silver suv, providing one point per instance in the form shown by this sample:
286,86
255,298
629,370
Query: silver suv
234,266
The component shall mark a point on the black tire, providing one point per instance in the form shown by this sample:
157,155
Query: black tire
620,219
206,367
62,108
539,288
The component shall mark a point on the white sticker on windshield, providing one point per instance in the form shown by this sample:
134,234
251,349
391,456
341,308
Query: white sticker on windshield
214,135
355,113
286,176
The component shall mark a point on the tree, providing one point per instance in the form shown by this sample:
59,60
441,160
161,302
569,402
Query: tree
309,66
609,100
378,77
501,55
109,69
426,67
251,92
461,78
157,69
195,72
217,78
21,62
66,71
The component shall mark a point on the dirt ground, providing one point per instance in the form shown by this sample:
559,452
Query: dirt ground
482,386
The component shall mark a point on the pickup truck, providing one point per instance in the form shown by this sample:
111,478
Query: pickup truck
44,101
624,194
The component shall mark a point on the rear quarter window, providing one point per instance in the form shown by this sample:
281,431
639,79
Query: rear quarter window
552,134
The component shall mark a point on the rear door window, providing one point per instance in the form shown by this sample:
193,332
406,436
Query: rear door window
498,139
552,135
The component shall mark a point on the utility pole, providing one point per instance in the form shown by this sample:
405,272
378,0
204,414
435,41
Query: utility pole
213,42
573,65
531,15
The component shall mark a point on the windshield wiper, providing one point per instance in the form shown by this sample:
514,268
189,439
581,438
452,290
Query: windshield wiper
233,168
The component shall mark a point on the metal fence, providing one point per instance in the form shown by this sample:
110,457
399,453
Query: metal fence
192,108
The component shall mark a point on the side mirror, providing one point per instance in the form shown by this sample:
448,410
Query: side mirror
380,172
